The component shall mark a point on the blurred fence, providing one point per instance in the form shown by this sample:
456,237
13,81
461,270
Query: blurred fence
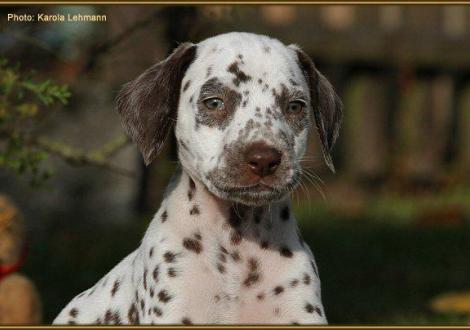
403,75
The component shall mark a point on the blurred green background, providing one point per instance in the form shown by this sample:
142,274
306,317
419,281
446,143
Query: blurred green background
390,230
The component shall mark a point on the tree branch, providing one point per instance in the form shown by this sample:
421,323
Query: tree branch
98,157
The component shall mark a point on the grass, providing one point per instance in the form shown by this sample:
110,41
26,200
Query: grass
382,265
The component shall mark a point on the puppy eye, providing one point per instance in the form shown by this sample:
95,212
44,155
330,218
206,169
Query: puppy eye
214,103
295,107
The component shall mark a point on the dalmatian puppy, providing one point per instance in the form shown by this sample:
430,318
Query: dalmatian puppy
224,247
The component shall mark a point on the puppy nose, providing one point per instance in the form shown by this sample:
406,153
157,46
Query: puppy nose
262,159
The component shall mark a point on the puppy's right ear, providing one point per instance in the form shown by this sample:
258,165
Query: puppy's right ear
148,105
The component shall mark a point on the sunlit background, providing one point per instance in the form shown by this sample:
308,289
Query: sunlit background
390,230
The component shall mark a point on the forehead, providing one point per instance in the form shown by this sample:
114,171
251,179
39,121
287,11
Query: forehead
245,57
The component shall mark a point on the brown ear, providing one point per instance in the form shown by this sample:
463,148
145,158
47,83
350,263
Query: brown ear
327,106
148,104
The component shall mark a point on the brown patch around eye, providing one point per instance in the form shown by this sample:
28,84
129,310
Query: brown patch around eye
217,118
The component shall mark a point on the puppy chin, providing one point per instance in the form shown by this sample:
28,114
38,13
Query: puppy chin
248,198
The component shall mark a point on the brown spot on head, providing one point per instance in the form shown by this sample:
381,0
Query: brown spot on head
209,71
286,252
192,245
222,257
186,85
260,296
252,264
293,82
240,76
235,256
221,268
236,237
223,250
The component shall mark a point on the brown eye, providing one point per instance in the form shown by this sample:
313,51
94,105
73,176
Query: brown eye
295,107
214,103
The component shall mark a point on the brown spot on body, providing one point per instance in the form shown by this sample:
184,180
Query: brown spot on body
115,288
286,252
156,272
186,321
194,210
294,283
163,296
164,216
307,280
278,290
169,257
192,245
171,272
264,245
251,279
310,309
133,315
151,253
73,312
145,279
260,296
157,311
192,189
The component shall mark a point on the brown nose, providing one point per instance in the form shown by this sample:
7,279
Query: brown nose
262,159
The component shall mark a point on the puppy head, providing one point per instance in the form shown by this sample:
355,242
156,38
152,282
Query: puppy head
243,105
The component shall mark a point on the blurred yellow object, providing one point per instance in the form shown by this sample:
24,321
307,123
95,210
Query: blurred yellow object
452,303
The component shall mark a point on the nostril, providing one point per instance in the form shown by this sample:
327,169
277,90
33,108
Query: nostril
262,159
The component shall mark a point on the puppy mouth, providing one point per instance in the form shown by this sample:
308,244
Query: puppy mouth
255,194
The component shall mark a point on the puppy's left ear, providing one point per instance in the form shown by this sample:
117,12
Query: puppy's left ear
148,104
327,106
